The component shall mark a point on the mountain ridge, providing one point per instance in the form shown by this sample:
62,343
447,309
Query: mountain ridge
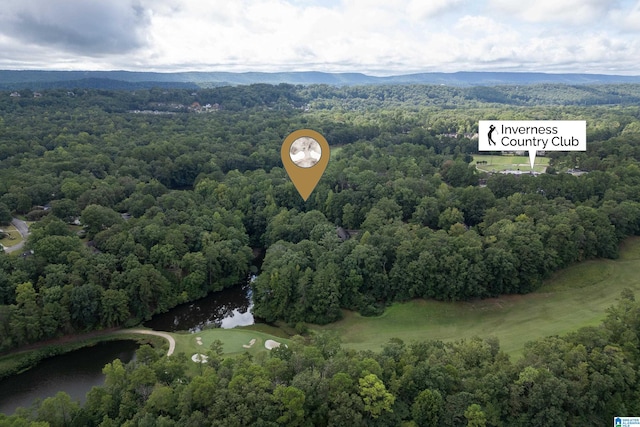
120,79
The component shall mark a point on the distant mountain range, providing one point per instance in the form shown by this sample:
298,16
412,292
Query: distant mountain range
129,80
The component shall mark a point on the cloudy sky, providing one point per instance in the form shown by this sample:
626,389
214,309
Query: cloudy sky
378,37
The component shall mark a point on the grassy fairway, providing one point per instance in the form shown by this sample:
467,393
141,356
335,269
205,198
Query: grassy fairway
232,339
506,162
574,297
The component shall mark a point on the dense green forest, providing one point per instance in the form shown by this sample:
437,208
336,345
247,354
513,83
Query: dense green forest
200,181
177,191
584,378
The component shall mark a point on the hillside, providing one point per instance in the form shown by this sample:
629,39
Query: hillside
38,79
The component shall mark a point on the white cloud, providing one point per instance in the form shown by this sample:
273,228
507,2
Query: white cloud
374,36
627,19
568,12
421,9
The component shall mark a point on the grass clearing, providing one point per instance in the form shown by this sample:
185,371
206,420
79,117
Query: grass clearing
279,331
497,163
11,237
233,341
574,297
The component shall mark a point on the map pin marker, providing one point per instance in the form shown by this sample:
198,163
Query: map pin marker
305,155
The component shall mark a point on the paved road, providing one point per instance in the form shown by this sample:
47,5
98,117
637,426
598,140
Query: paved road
22,226
172,342
23,229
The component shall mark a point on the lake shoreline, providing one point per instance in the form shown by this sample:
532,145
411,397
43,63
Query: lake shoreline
25,358
73,373
21,359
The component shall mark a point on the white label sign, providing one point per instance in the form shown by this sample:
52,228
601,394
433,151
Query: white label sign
532,136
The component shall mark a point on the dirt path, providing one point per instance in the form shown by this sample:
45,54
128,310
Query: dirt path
172,342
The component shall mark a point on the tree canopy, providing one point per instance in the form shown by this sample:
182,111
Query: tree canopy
173,199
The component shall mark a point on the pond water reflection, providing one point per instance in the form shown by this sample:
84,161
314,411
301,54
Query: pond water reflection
78,371
74,373
228,308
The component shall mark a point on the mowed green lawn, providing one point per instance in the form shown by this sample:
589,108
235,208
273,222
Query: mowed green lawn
11,237
232,340
506,162
575,297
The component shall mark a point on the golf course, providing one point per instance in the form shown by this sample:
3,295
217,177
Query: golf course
574,297
235,341
498,163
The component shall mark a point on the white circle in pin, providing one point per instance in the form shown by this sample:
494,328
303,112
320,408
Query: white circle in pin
305,152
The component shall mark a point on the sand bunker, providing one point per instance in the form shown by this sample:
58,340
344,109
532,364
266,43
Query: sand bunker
198,340
199,358
269,344
251,343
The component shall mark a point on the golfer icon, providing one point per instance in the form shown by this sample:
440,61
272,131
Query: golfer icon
491,129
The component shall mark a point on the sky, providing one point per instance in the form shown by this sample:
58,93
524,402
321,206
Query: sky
374,37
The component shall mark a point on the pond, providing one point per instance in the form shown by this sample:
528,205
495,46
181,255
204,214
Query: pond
228,308
78,371
74,373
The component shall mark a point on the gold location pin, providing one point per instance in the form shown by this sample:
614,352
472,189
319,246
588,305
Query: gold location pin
305,155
